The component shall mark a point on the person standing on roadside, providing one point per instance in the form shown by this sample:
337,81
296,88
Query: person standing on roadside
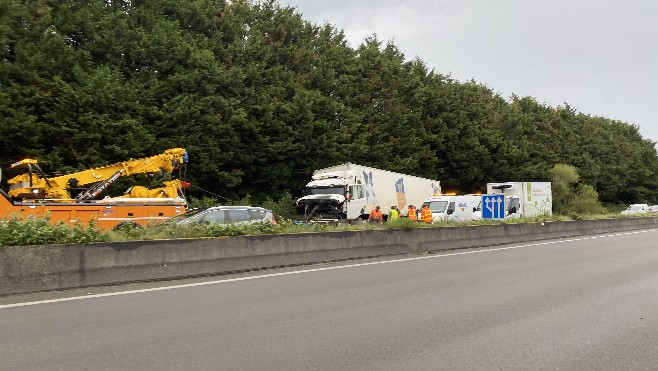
426,213
394,214
413,213
375,215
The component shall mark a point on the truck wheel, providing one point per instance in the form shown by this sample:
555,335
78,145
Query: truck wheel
127,225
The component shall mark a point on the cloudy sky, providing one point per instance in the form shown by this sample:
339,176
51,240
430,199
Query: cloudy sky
599,56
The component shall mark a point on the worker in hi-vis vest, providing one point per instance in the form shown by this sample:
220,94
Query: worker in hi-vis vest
375,215
413,213
426,213
393,214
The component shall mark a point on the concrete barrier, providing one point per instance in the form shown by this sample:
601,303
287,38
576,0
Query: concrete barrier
38,268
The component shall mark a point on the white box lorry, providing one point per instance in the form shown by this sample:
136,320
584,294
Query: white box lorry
525,199
453,207
350,192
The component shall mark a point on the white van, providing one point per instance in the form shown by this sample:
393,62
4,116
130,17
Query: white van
636,209
452,207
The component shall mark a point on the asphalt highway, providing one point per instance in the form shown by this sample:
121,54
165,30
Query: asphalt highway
582,304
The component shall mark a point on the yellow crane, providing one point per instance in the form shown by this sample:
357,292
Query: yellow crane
35,185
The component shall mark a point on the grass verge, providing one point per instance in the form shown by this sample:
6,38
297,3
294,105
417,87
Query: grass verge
40,231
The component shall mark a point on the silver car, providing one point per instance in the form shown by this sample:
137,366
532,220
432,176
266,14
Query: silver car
225,215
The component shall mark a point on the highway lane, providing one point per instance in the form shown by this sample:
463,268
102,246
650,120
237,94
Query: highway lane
588,303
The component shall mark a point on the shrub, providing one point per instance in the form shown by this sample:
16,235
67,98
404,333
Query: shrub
40,231
569,199
284,208
563,177
404,223
587,201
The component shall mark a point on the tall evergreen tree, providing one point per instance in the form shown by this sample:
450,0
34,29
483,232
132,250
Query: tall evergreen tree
261,98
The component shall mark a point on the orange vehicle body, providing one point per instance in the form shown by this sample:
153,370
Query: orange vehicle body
105,214
34,194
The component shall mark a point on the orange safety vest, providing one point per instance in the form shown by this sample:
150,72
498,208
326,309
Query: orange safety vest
413,215
426,214
375,215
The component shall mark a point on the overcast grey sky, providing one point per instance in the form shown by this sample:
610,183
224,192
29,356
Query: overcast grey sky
599,56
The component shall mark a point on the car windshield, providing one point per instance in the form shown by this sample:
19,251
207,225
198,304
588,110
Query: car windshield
187,214
635,207
325,191
438,206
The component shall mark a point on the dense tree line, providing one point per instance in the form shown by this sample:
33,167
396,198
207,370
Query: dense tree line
260,98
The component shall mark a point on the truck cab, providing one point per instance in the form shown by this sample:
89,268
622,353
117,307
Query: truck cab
328,195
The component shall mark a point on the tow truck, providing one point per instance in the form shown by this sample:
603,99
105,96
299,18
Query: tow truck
35,194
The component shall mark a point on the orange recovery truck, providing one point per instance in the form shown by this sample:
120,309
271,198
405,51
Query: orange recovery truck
34,194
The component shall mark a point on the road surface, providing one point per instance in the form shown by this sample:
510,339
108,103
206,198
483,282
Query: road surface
583,304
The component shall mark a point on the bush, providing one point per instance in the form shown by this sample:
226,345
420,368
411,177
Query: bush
284,208
587,201
40,231
404,223
563,177
571,200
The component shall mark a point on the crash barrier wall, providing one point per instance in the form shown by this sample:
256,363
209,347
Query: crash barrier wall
49,267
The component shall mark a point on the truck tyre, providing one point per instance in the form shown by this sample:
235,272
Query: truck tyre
127,224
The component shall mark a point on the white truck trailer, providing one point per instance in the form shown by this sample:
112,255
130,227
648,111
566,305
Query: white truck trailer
350,192
453,207
525,199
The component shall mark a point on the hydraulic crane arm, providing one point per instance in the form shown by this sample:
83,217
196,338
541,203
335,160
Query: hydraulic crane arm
97,188
32,185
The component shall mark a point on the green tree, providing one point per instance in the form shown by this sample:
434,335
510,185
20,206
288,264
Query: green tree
569,196
564,177
261,98
587,201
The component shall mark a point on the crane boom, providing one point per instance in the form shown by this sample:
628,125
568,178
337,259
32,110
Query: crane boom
37,186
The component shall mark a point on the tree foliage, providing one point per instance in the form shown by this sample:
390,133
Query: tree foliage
587,201
571,197
564,179
260,98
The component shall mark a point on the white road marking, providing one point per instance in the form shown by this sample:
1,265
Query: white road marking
163,288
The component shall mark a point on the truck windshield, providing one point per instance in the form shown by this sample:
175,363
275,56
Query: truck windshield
438,206
324,191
